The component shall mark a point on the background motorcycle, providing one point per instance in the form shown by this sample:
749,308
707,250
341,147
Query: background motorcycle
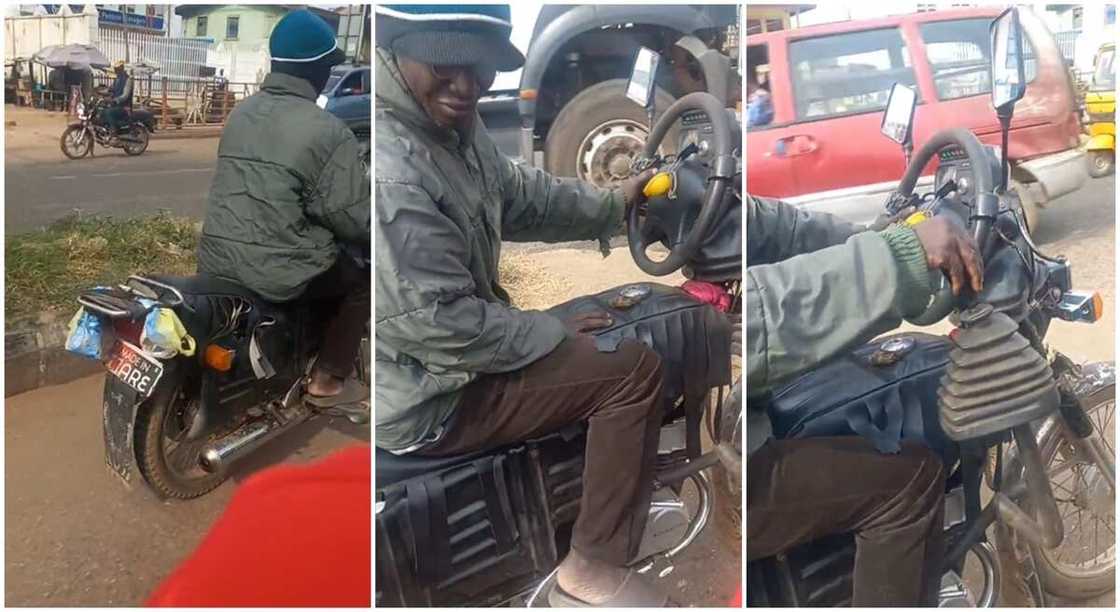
78,138
179,422
990,398
489,528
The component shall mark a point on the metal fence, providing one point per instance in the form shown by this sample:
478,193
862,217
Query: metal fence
1067,43
178,102
176,57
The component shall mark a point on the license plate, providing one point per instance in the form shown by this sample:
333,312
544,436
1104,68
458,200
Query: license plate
134,367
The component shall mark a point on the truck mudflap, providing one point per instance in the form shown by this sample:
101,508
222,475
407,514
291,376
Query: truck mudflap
119,406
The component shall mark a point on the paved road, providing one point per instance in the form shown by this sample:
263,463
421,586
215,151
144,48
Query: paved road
42,185
74,535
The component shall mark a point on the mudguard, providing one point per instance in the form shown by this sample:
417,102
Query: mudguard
119,405
1093,377
1101,142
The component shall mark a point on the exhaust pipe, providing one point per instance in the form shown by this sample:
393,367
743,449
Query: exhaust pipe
249,437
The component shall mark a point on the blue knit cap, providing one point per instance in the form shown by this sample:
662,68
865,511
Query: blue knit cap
449,34
303,36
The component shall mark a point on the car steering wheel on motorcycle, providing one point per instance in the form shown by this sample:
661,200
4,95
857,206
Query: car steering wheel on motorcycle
721,173
985,208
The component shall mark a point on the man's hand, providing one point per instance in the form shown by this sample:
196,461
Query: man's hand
588,321
632,189
952,250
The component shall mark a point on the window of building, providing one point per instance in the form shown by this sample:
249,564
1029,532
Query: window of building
200,26
232,27
845,74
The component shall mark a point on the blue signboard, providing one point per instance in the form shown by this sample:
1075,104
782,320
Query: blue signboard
132,20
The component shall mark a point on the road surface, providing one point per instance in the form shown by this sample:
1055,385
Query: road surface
42,185
74,535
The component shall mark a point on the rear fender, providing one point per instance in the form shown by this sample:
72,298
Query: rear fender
1101,142
118,419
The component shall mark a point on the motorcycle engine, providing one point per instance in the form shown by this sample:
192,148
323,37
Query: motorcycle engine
996,380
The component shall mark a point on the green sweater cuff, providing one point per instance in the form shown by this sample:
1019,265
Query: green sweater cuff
615,220
913,293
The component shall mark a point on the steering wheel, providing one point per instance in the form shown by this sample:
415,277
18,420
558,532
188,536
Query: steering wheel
720,176
984,211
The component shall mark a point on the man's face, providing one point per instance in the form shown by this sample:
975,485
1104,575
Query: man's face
448,94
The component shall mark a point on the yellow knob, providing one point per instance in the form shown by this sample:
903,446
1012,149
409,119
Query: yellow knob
659,185
917,218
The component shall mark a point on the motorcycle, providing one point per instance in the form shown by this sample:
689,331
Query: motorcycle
490,528
178,420
78,138
991,399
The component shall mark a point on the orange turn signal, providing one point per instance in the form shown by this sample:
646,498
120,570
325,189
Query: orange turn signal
528,94
219,358
1098,306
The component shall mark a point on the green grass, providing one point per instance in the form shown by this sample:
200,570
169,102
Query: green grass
46,269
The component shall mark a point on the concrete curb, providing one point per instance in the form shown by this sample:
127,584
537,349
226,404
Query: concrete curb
35,356
174,134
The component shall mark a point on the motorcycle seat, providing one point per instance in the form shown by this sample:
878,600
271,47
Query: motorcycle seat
391,468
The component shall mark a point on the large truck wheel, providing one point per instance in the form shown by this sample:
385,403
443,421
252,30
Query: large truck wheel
599,132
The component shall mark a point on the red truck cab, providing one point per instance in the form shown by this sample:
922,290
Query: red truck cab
829,85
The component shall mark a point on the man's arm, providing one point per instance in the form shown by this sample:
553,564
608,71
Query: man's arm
426,304
810,307
777,231
340,197
540,207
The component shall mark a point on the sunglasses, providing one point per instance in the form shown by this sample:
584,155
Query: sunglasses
482,75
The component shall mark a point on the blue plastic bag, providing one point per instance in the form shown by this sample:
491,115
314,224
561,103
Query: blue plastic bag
85,335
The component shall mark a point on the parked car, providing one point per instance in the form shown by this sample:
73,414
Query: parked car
829,85
347,96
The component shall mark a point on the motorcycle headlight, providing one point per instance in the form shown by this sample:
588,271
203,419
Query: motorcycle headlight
81,110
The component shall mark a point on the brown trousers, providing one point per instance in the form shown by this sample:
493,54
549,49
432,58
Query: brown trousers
618,394
342,293
801,490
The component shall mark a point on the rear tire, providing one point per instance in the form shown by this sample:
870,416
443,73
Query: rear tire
1101,163
1060,578
598,131
139,143
150,440
76,142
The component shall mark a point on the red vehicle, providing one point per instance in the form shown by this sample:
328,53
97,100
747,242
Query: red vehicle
829,85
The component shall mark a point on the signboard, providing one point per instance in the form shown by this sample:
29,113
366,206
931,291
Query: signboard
131,20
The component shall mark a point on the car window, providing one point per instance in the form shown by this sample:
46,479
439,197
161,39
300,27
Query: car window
353,81
1104,74
850,73
958,53
365,81
334,78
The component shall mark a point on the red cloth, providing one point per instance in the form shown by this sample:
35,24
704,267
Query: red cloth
293,535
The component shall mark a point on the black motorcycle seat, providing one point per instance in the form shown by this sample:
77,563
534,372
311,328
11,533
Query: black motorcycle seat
391,468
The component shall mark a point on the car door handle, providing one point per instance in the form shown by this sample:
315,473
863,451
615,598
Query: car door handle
802,144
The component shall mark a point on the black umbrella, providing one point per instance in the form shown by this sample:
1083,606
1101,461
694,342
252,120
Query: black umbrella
75,57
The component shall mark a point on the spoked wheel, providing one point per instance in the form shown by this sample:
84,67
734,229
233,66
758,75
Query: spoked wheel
137,141
1084,566
169,460
76,142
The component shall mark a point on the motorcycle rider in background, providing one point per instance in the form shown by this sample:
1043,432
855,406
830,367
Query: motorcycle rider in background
816,286
116,115
290,191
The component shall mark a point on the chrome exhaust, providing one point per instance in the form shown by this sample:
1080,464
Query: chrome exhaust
246,439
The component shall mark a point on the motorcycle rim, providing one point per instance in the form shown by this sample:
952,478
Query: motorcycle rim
1086,504
77,142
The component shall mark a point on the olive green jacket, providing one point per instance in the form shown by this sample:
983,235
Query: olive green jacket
445,201
288,189
815,286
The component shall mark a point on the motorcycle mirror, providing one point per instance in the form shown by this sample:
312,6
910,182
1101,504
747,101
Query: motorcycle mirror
898,118
1009,82
641,86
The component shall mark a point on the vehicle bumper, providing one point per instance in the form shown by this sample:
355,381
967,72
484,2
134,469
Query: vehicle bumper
1101,142
862,204
1059,173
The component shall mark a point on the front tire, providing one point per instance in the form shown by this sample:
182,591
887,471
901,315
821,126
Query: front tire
76,142
599,132
1101,163
169,462
1080,581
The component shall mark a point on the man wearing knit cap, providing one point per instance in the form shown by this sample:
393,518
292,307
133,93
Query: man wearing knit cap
290,201
458,368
